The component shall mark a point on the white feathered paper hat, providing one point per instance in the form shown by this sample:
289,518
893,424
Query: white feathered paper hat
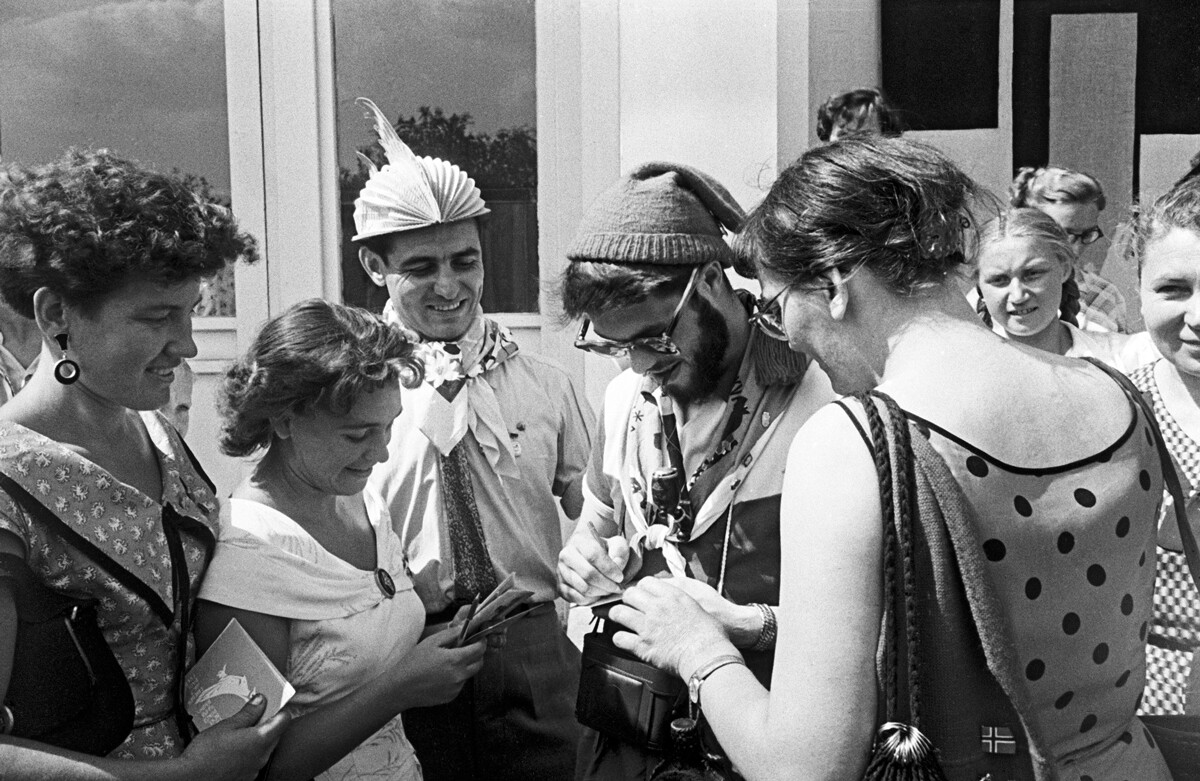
411,192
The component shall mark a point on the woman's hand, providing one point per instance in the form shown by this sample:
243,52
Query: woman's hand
590,566
434,671
236,748
668,628
742,623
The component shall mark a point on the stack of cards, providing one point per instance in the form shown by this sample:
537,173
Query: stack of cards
496,611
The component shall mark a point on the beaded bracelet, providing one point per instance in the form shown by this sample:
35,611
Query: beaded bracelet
770,628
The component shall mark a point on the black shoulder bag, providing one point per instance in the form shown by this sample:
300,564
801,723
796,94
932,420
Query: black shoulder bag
66,688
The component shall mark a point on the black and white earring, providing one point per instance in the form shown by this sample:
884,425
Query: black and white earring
66,371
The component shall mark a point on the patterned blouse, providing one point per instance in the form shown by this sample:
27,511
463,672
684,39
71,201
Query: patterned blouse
126,525
1172,686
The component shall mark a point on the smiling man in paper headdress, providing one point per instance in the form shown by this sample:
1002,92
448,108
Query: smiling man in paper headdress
485,452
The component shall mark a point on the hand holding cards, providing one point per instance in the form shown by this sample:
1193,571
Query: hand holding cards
496,611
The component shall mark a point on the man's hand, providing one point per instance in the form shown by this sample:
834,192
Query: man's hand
591,567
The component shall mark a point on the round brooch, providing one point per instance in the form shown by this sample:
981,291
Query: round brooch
385,583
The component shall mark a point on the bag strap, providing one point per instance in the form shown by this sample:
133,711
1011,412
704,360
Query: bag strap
196,463
892,453
1170,477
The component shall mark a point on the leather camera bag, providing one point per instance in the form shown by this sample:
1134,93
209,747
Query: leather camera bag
623,697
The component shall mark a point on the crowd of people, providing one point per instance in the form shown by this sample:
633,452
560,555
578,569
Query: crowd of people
732,503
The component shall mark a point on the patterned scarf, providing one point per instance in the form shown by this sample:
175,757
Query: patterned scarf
760,394
455,398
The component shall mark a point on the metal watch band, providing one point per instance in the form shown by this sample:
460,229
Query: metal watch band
770,628
706,670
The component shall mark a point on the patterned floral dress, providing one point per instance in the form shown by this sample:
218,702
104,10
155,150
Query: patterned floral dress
126,525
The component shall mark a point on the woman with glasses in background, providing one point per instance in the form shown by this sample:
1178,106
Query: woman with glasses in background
1074,200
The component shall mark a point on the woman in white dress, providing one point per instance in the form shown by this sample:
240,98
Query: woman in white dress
1025,262
308,562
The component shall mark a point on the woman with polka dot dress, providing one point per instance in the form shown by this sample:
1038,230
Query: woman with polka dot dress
857,246
1167,246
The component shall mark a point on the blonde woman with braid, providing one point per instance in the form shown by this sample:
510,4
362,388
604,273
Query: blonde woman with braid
1027,292
1074,200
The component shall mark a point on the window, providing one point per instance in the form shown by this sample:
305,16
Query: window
145,79
457,78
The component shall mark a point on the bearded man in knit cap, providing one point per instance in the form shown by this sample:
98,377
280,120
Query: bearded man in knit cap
486,451
687,467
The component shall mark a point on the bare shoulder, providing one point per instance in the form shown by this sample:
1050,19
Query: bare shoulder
831,471
1024,409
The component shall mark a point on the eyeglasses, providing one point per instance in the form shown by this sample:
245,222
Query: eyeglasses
768,316
664,345
1089,236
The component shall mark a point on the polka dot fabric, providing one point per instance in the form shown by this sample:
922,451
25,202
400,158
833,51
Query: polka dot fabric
1070,553
1174,632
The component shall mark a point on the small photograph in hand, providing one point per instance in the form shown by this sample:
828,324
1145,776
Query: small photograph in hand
496,611
231,671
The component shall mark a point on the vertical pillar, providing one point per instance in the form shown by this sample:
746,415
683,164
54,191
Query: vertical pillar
1095,55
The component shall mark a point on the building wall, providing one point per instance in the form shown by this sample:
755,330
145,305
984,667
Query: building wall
731,86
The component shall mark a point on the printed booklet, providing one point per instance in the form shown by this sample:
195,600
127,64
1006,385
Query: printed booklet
229,673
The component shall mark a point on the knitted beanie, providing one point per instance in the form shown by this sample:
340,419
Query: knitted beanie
663,213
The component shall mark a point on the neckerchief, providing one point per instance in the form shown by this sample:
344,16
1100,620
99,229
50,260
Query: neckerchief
455,398
760,393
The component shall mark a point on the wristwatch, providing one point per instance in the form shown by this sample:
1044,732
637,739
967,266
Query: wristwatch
703,672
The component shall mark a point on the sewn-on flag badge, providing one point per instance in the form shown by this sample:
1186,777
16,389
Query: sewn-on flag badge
997,740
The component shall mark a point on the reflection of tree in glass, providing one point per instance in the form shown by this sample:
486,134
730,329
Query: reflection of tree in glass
216,293
504,166
506,159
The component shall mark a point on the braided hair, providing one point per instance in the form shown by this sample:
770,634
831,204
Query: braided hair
1034,187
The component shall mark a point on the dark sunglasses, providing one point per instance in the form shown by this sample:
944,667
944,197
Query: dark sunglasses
664,345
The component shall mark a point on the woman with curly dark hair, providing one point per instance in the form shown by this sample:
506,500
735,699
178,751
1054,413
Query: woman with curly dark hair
99,497
310,565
